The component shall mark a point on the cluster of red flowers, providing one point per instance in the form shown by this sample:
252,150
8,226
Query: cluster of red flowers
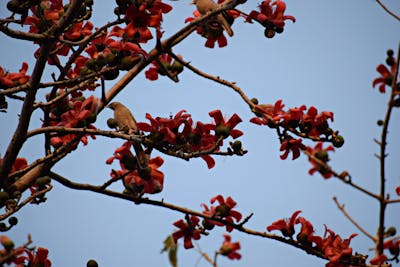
141,15
387,75
47,14
305,121
21,256
167,133
76,112
330,244
134,182
309,121
271,16
11,79
191,229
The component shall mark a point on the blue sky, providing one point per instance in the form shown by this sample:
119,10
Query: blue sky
326,59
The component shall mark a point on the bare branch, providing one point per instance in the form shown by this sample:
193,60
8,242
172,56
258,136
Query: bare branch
388,10
343,210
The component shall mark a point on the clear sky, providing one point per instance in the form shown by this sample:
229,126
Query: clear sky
326,59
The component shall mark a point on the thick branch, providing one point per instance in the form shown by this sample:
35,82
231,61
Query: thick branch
19,136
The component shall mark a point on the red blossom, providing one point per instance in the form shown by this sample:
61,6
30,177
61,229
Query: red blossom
224,210
306,233
286,226
212,31
74,113
266,112
271,13
229,249
385,78
314,123
223,127
398,190
11,79
291,145
38,258
333,247
142,16
153,185
321,154
79,31
19,164
180,132
378,259
188,230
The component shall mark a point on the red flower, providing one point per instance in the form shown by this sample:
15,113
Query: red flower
386,77
315,124
398,190
223,210
230,249
225,128
79,31
187,230
322,154
378,259
292,117
8,79
271,15
133,180
211,30
38,258
294,145
306,233
286,226
141,16
334,247
152,185
266,112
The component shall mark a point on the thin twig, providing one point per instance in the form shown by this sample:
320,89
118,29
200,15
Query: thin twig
26,201
345,213
388,10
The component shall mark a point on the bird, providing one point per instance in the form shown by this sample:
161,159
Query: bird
206,6
126,122
124,118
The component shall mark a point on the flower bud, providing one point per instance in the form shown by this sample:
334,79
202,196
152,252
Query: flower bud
92,263
207,225
391,231
111,123
338,141
13,220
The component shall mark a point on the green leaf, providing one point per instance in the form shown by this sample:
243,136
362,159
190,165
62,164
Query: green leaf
172,248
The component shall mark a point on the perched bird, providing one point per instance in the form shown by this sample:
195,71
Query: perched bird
127,123
205,6
124,118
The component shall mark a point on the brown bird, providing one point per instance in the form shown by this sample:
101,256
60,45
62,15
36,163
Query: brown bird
127,123
124,118
206,6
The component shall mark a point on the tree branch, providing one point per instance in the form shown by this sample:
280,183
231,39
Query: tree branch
347,215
